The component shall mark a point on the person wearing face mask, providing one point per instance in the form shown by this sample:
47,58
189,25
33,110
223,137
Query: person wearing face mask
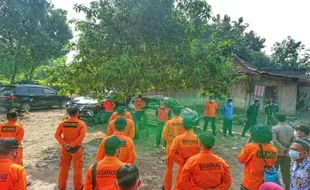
282,138
209,109
301,161
251,116
228,111
163,114
102,175
12,176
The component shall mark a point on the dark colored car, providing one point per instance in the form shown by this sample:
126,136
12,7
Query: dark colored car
152,103
28,96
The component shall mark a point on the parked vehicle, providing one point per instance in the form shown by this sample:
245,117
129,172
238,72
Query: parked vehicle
153,102
28,96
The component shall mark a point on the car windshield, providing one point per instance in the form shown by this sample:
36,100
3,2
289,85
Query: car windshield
174,102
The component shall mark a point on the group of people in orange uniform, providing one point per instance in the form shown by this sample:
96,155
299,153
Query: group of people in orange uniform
198,168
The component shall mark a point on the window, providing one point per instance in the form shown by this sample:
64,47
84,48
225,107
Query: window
36,91
23,90
49,91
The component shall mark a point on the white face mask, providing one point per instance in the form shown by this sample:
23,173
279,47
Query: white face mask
296,134
230,103
212,101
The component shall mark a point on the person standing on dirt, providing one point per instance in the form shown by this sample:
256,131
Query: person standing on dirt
127,177
282,138
299,154
205,165
129,130
139,105
209,109
102,174
12,176
70,134
121,112
271,110
172,128
127,150
108,106
183,147
251,116
228,114
252,157
163,114
13,130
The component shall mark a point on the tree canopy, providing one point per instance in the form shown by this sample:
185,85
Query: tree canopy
32,32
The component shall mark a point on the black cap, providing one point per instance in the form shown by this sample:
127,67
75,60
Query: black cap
11,114
187,122
121,121
121,109
112,144
8,144
280,117
303,128
206,139
230,100
256,100
73,110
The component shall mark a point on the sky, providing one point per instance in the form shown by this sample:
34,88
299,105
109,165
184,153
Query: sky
273,20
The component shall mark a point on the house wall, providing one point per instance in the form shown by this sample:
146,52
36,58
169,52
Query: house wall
242,94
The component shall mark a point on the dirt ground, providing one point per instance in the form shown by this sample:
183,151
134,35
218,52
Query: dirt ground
41,152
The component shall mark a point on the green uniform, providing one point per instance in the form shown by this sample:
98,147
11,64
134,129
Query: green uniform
270,111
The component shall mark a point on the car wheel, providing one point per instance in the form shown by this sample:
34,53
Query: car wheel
26,106
63,103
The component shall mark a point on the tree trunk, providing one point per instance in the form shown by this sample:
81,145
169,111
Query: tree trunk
14,70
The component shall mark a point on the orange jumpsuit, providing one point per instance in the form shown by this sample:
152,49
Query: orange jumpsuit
205,171
127,150
105,174
172,128
12,176
13,130
129,130
183,147
115,115
71,131
254,163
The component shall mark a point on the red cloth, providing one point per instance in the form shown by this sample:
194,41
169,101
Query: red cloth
108,106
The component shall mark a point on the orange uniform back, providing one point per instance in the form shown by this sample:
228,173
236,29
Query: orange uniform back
115,116
13,130
184,146
205,171
129,130
172,128
137,102
254,164
105,174
71,131
127,150
12,176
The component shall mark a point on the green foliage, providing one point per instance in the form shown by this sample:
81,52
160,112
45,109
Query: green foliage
133,46
32,33
290,54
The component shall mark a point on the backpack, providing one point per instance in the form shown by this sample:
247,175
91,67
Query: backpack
269,175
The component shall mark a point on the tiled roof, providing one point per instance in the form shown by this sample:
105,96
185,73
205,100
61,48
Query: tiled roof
294,73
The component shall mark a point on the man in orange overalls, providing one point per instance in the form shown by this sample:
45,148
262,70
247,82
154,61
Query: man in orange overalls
120,113
252,157
70,134
127,150
108,108
13,130
209,109
105,170
172,128
183,147
205,170
163,114
129,130
12,176
139,105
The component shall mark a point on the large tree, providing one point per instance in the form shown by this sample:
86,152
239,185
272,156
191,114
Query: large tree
290,54
134,46
31,33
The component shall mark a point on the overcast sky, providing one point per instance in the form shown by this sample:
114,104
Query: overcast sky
271,19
